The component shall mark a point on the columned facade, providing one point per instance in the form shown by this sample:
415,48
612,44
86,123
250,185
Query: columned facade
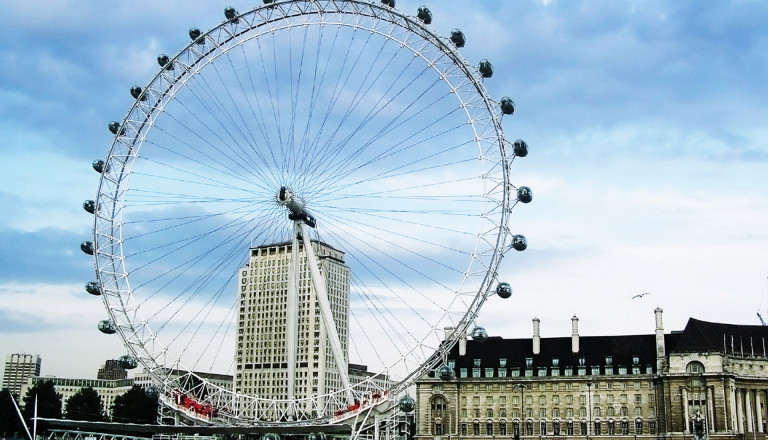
603,387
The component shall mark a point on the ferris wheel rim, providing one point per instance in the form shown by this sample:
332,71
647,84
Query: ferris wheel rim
110,269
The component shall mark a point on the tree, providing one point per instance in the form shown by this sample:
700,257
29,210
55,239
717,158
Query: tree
86,404
48,402
9,418
135,406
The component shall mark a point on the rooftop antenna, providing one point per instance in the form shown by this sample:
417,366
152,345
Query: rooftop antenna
760,317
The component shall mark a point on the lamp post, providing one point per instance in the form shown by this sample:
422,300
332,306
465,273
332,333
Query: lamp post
522,406
589,408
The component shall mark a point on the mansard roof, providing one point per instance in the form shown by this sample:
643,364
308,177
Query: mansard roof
708,337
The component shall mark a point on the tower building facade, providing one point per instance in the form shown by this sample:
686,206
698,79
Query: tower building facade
262,350
18,368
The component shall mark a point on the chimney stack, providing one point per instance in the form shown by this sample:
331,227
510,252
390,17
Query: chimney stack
575,334
536,336
660,350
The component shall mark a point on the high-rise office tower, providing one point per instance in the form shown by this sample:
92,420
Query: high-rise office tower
19,367
262,347
111,370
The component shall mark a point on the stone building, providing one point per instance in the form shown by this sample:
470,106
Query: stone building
709,380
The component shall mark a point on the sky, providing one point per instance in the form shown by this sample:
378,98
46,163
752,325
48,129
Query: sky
646,123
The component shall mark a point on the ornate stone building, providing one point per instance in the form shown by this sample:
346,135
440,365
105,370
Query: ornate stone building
709,380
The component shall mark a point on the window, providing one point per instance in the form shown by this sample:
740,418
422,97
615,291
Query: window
463,373
502,428
502,400
598,428
638,399
625,427
569,400
543,428
624,411
635,360
514,372
622,370
542,400
528,373
568,371
623,398
542,371
555,362
476,428
515,429
638,427
555,412
694,367
569,428
595,371
438,428
569,413
503,362
583,427
489,428
502,372
477,362
542,413
463,429
529,428
556,428
503,413
438,407
611,428
489,372
609,360
475,372
489,400
556,399
610,412
489,413
528,362
652,428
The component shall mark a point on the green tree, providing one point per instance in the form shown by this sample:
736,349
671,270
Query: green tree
135,406
48,402
86,404
9,418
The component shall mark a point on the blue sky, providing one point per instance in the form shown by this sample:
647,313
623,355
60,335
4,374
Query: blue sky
646,123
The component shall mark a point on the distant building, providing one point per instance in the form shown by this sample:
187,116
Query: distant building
262,355
709,380
18,368
66,387
111,370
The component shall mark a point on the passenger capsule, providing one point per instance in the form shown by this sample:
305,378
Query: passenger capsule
266,2
406,404
136,93
90,206
270,436
445,373
114,127
486,69
92,287
390,3
98,165
519,242
164,61
231,14
424,15
87,247
504,290
127,361
457,37
479,334
521,148
194,34
107,327
507,105
524,194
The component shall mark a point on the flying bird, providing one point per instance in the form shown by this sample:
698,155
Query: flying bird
641,295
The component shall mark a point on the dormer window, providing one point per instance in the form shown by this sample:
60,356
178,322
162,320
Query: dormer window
555,362
503,362
477,362
582,362
635,360
609,360
528,362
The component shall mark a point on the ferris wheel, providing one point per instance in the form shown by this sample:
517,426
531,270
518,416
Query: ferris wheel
309,186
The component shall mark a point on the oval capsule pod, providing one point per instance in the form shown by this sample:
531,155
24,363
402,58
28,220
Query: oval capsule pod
89,206
194,35
136,93
92,287
107,327
445,372
524,194
114,127
457,38
406,404
479,334
519,242
504,290
87,247
507,105
521,148
390,3
127,361
424,14
486,68
164,61
231,14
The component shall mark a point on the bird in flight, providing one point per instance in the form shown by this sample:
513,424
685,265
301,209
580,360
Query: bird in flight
641,295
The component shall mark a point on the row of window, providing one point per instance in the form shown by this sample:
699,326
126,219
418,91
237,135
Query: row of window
610,427
556,412
553,371
542,399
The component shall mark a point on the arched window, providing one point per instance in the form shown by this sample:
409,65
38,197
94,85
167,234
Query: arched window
438,406
694,367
